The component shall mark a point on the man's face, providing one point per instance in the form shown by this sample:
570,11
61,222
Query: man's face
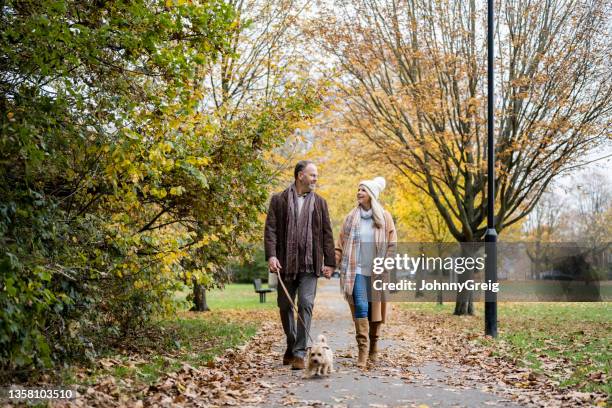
308,177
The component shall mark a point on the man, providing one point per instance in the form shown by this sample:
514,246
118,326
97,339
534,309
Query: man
299,246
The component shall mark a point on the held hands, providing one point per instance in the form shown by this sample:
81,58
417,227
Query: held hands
274,265
328,271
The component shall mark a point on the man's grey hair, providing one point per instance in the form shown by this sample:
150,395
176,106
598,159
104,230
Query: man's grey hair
301,165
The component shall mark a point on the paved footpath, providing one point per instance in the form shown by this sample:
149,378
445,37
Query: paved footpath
384,385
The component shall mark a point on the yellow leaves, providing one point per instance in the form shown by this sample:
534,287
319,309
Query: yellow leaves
176,3
158,192
130,134
134,175
206,239
200,243
235,24
201,276
130,197
170,258
166,147
70,174
198,161
416,214
177,191
175,123
157,156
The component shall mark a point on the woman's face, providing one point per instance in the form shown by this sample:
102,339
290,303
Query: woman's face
363,198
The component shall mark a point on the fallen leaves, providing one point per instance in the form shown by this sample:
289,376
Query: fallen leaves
452,341
234,379
249,375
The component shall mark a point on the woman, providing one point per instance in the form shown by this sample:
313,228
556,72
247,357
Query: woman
368,232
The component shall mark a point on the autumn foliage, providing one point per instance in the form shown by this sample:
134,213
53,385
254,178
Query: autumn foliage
120,175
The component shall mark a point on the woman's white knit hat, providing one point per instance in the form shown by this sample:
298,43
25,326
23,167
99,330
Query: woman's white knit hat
375,186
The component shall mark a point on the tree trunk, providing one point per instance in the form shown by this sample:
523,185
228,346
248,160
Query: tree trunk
464,304
440,298
440,273
419,278
199,298
538,262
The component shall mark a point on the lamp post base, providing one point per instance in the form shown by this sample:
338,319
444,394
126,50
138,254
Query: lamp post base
491,276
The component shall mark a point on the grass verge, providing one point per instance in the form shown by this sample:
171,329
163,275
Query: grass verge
569,342
239,296
191,338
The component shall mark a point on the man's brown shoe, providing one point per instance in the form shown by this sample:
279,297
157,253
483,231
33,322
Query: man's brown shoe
287,357
297,363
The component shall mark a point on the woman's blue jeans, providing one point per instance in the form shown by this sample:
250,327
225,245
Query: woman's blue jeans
361,289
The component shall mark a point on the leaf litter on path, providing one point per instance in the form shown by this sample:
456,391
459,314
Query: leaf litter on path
243,376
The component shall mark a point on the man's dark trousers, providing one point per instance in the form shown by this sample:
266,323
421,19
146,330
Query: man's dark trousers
305,286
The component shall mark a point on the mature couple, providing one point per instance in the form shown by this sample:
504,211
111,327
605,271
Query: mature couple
299,246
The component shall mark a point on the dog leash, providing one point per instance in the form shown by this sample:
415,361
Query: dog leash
295,309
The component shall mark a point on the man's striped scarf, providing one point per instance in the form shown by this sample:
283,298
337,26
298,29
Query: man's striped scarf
352,245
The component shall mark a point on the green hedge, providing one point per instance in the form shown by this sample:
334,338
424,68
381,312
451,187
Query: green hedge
247,271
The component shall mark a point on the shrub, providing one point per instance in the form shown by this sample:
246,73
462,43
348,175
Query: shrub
257,267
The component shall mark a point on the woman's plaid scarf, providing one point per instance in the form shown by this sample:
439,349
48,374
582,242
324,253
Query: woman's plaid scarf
352,246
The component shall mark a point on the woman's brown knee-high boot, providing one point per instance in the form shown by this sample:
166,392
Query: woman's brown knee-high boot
361,330
375,329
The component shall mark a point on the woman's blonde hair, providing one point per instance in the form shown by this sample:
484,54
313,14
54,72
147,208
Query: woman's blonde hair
378,212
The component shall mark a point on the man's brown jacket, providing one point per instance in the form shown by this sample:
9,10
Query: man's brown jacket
275,235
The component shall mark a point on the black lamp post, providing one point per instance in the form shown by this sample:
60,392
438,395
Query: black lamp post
491,234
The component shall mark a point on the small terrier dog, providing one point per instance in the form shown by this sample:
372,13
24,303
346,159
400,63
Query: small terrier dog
320,358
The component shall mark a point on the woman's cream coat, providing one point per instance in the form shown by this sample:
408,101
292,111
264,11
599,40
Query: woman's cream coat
379,310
